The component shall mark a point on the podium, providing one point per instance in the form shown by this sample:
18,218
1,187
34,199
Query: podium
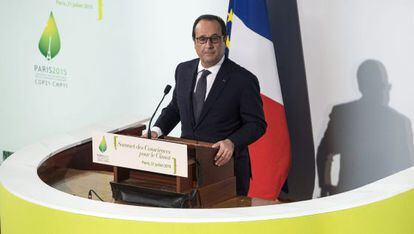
216,187
213,184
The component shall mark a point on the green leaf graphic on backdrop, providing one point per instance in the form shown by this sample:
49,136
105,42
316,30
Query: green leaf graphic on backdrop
102,146
49,44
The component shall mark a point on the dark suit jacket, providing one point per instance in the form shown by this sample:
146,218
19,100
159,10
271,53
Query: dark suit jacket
233,109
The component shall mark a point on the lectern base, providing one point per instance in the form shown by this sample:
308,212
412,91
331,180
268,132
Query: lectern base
153,197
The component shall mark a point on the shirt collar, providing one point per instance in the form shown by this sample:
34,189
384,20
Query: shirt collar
213,69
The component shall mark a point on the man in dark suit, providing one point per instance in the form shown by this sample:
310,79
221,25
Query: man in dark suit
216,100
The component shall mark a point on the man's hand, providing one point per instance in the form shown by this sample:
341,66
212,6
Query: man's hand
226,149
153,134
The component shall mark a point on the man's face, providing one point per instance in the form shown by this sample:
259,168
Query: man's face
212,50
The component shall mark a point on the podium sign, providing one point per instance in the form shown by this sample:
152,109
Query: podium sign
140,153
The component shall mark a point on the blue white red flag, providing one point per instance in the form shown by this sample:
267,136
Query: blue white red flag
250,44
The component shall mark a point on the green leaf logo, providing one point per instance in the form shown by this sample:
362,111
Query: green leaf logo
102,146
49,44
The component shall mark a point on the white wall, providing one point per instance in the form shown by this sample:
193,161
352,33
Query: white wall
116,66
338,36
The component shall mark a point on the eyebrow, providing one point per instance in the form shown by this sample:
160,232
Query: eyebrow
215,34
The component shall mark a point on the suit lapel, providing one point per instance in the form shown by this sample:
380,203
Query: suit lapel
190,77
218,86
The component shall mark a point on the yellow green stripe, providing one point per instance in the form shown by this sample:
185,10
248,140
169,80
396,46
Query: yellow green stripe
175,165
394,215
100,10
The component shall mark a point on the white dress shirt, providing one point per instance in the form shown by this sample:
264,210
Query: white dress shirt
211,77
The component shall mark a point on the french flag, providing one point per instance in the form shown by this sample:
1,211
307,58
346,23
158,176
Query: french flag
249,44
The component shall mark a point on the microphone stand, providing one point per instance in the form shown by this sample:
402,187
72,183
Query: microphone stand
166,91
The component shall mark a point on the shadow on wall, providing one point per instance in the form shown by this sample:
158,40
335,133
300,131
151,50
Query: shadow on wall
372,139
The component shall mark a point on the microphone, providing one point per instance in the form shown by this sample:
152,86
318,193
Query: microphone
166,91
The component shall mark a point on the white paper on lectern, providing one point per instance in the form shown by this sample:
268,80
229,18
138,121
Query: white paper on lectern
140,153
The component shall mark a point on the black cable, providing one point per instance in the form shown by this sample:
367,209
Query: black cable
90,194
195,191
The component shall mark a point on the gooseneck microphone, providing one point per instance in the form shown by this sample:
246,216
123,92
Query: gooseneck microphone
166,91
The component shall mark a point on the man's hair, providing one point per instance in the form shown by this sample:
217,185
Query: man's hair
210,18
